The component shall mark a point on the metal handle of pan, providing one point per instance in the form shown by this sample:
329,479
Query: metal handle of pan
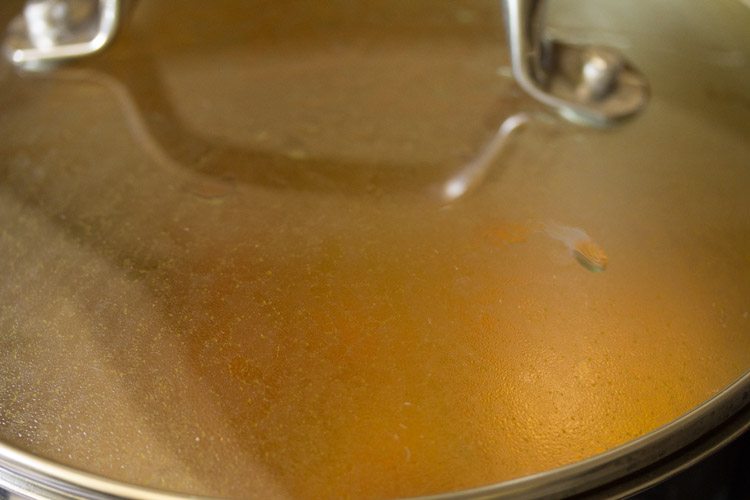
586,84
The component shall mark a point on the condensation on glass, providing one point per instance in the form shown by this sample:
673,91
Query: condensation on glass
234,259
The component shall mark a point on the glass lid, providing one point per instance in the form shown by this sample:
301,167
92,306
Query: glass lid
332,249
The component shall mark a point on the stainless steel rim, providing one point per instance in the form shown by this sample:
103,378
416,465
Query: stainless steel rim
619,471
636,456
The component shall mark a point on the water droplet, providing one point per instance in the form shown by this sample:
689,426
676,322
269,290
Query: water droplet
590,255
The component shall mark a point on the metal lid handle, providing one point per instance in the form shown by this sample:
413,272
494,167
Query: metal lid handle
589,84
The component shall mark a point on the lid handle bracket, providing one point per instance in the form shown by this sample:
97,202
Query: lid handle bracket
592,85
49,31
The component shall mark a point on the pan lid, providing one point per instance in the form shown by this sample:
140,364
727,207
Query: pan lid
324,250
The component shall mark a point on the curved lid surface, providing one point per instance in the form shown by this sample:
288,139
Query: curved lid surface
233,261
